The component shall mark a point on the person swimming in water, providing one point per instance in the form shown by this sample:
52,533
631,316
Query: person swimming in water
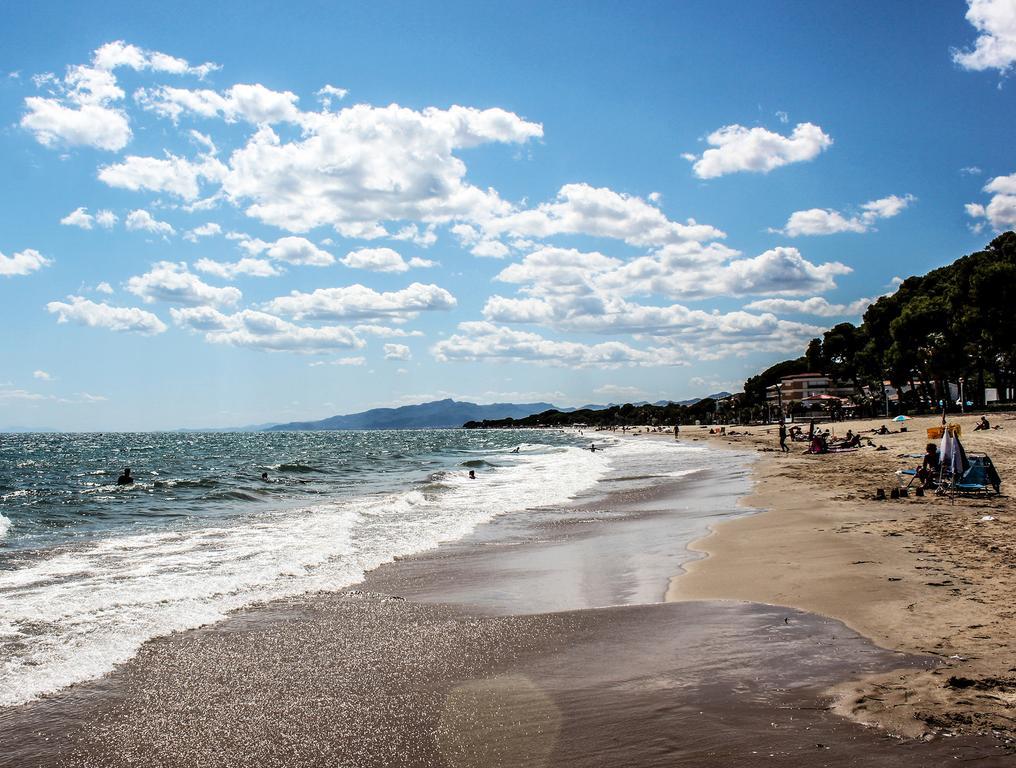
264,477
472,474
125,478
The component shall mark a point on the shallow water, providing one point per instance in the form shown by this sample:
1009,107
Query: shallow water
90,571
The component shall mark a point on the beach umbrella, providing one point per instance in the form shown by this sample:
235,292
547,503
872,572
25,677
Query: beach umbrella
901,417
951,456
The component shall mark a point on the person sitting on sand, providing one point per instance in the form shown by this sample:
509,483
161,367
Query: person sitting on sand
850,441
928,470
818,445
883,430
125,478
982,424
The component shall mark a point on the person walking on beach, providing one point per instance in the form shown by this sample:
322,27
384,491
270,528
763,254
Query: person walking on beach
783,437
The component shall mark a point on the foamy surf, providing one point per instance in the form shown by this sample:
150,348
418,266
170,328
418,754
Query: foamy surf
76,612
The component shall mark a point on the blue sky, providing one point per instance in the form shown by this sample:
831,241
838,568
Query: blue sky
235,214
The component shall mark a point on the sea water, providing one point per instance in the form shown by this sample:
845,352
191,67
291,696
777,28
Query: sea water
90,570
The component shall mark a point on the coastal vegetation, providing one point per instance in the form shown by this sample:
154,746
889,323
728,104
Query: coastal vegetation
614,416
954,324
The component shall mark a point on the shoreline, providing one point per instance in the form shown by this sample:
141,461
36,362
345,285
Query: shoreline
483,649
918,575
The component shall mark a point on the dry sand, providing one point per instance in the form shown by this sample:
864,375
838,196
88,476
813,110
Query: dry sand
931,575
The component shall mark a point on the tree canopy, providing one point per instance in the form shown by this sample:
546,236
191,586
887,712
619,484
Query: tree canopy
956,322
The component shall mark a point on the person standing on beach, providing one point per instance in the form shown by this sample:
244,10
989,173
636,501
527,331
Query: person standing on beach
783,437
677,429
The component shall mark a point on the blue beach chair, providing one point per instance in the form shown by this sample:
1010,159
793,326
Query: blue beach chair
981,477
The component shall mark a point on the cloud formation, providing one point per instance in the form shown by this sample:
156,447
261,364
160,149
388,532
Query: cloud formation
174,283
382,260
141,220
1000,211
484,341
581,209
83,311
300,250
262,331
735,148
359,302
816,306
80,108
22,263
995,47
228,270
397,352
822,221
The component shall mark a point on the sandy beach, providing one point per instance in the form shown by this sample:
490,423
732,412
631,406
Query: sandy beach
932,575
567,637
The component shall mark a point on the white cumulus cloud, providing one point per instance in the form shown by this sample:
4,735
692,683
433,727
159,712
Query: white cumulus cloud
736,148
300,250
171,174
141,220
253,103
1000,211
262,331
91,125
821,221
358,301
362,166
397,352
95,315
81,109
171,282
581,209
382,260
995,47
481,341
818,306
205,230
79,217
22,263
247,266
328,93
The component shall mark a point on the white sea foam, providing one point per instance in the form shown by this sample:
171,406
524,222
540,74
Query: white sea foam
78,611
5,525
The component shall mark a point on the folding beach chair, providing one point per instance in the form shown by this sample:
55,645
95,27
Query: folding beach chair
981,477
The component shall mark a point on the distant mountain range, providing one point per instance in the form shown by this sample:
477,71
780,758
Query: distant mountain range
434,415
443,414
